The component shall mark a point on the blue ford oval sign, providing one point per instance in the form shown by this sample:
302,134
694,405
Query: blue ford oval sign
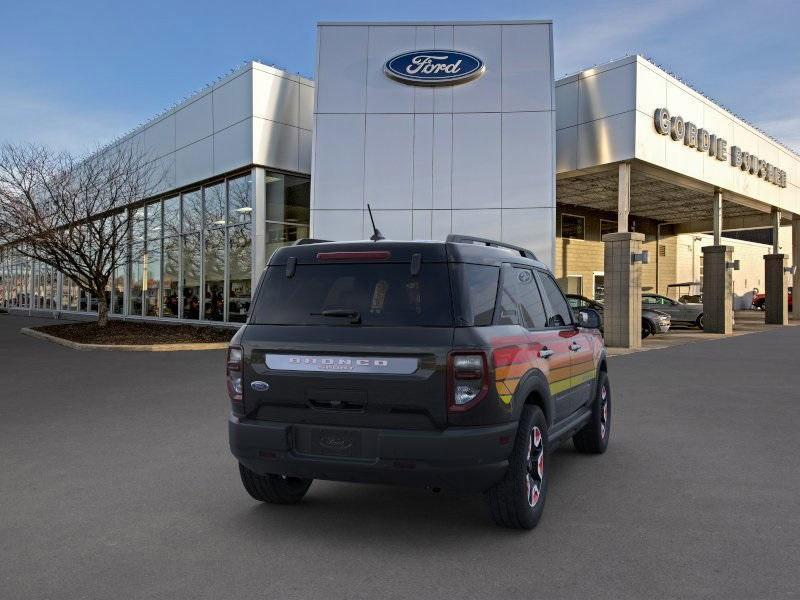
434,67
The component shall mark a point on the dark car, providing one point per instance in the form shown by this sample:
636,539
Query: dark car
455,365
653,321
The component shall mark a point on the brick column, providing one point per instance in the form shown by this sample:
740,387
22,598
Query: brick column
717,290
776,289
622,314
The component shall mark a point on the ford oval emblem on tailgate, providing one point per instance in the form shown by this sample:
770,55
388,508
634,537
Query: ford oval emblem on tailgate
259,386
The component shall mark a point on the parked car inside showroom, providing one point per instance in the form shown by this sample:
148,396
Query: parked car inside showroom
653,321
681,313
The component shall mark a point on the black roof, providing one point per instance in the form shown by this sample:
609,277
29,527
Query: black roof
307,251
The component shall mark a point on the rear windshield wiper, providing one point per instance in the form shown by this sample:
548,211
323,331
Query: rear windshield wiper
344,313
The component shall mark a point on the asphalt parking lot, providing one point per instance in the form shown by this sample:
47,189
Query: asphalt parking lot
116,482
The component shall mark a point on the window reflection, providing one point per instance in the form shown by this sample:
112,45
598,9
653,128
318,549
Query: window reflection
191,276
281,234
288,198
239,209
172,216
239,272
135,279
214,196
192,211
152,278
214,293
119,291
169,277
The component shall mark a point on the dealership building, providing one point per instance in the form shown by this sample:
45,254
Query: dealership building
620,177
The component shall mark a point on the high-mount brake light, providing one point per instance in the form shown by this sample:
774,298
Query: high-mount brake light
233,372
467,379
366,255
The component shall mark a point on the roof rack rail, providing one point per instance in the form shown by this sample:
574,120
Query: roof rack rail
468,239
304,241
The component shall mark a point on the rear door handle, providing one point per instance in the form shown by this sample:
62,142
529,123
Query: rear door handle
574,347
545,352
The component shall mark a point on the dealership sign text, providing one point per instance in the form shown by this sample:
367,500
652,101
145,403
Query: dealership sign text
706,142
434,67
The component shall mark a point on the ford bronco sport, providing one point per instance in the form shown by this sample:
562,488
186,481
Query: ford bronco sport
454,365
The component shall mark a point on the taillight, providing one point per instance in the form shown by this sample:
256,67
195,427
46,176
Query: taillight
468,380
233,372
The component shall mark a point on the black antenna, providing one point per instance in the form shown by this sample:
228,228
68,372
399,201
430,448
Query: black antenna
377,235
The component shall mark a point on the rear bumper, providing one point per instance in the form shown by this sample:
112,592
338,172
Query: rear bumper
468,459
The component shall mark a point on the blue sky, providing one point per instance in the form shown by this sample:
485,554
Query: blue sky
75,74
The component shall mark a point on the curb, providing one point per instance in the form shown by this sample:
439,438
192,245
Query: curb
124,347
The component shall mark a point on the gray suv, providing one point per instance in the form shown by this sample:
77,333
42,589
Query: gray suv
680,312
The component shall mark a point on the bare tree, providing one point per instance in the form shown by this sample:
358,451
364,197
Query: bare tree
70,213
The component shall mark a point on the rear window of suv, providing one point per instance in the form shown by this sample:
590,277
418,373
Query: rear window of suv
381,294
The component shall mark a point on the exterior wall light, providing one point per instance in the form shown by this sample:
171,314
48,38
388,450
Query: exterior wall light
733,265
643,257
791,270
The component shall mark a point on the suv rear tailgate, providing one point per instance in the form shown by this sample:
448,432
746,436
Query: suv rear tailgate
387,377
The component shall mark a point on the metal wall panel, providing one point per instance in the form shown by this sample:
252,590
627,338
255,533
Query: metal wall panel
385,95
527,142
338,175
276,98
421,221
606,140
159,138
305,143
194,121
483,94
527,78
423,163
233,146
306,106
442,161
233,101
194,162
338,224
389,172
342,69
394,224
567,105
484,222
275,145
476,160
532,228
607,93
566,149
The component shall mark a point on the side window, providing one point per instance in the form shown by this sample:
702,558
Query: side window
649,300
520,300
561,314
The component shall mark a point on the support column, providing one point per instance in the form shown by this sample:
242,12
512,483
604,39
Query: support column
717,289
796,263
622,314
776,289
717,217
623,197
259,226
776,231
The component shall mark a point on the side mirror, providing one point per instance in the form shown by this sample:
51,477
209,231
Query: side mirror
589,318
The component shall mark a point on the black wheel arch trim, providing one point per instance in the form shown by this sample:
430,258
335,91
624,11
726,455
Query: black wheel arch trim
534,382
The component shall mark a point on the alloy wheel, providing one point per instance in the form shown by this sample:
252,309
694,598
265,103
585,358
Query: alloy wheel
535,466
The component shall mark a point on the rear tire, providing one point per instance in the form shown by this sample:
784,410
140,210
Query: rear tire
645,329
699,321
518,500
593,438
274,489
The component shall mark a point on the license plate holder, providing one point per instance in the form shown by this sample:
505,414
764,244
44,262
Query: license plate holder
343,443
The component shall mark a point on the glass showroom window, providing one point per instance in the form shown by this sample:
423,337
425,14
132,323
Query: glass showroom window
214,271
135,284
151,261
118,288
191,276
239,272
288,202
170,276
